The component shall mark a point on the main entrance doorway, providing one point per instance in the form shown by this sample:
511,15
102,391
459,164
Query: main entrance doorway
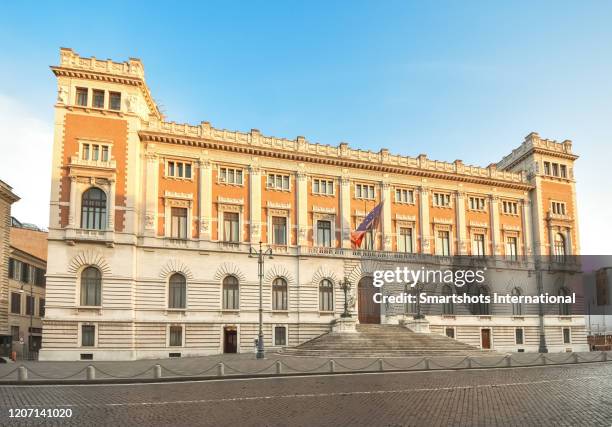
230,339
369,311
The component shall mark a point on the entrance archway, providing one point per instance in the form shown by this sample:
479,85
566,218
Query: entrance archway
369,311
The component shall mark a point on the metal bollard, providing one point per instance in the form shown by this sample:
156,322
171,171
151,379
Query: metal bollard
332,366
381,365
576,358
604,356
426,363
220,369
508,360
91,373
279,367
469,362
22,373
157,371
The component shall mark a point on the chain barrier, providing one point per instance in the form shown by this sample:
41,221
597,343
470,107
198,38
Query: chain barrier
249,373
461,362
522,362
115,376
195,374
6,375
595,359
405,367
571,356
356,369
305,370
44,377
488,365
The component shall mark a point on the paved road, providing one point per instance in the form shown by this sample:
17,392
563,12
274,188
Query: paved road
556,395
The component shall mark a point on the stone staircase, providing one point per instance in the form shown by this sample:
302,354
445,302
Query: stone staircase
382,341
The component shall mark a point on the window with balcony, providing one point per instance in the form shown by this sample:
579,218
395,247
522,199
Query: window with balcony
559,248
509,208
93,209
443,243
324,233
98,98
441,200
404,240
368,241
180,170
231,227
403,195
364,191
81,96
279,294
29,305
230,176
178,224
91,287
114,101
326,295
88,335
479,245
278,182
477,203
177,291
231,294
512,248
176,336
323,186
279,230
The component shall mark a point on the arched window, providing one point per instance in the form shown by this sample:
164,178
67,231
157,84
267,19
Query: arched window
448,307
231,293
279,294
559,247
326,295
564,308
91,286
93,209
517,307
177,291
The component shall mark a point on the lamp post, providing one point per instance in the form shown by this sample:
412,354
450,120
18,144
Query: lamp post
346,286
260,254
31,308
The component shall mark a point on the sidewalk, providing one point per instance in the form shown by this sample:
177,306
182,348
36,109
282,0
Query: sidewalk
245,365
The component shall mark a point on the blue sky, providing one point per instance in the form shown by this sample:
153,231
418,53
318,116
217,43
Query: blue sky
463,80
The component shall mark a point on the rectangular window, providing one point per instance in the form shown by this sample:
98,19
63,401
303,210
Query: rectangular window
25,273
95,152
279,230
563,170
176,336
369,241
567,337
231,231
477,203
41,307
280,335
546,168
323,186
88,335
509,208
518,336
29,305
11,268
324,233
15,303
85,151
178,223
512,248
15,332
104,157
404,242
443,243
441,200
114,101
15,273
450,332
278,181
230,176
403,195
558,208
176,169
40,279
364,191
555,169
479,245
81,96
98,98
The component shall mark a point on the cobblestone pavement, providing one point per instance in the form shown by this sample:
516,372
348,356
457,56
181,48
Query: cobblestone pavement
553,395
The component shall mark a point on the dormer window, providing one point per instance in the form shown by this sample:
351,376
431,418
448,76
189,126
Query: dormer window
98,98
114,101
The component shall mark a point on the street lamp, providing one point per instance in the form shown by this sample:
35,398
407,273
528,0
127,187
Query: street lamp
346,286
31,308
260,254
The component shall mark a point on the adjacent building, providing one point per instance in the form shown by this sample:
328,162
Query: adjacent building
152,221
7,198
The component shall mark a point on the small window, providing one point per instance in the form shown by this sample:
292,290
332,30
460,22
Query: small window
15,303
567,336
278,182
518,336
442,200
280,335
403,195
323,186
509,208
176,336
88,335
477,203
558,208
178,223
450,332
98,98
175,169
230,176
114,101
81,96
364,191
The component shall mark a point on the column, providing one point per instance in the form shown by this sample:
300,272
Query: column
495,232
460,223
424,222
302,208
345,211
111,204
568,241
72,213
387,229
255,203
527,231
205,198
151,194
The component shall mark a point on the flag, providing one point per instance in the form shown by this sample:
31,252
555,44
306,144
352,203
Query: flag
370,222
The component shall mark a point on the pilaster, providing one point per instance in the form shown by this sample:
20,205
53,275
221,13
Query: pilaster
302,207
151,195
255,203
345,210
462,241
495,225
387,230
205,198
424,222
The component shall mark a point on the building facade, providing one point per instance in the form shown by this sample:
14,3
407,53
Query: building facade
152,221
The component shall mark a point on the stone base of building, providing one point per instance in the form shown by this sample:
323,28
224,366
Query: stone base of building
344,325
420,326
